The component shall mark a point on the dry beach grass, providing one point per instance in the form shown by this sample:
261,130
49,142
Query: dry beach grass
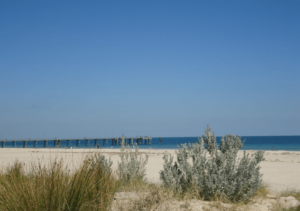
53,186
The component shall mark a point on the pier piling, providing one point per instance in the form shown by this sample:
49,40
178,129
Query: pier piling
87,142
45,143
69,143
97,142
77,143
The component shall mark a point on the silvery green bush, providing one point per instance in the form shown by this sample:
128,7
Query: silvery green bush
131,166
217,174
100,159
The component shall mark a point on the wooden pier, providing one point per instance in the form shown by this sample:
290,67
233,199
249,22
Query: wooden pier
94,142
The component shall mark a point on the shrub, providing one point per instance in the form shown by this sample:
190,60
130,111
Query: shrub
131,167
100,160
220,175
54,187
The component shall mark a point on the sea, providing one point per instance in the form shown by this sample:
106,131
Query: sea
286,143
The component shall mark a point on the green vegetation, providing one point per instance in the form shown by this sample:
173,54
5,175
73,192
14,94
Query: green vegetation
295,194
132,167
90,187
217,176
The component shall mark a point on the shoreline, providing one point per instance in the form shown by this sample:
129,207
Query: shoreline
281,169
118,149
143,147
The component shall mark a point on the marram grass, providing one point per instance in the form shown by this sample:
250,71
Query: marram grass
54,187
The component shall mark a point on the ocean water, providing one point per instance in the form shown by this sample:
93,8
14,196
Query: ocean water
287,143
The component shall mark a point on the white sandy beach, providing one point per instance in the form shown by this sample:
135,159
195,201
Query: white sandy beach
281,169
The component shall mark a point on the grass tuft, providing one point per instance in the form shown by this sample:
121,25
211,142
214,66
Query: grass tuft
54,187
262,192
295,194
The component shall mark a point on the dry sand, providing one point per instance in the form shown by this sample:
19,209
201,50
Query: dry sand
281,169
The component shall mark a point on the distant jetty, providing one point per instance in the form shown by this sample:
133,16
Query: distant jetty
95,142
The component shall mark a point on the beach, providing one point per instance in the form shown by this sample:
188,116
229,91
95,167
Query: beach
280,169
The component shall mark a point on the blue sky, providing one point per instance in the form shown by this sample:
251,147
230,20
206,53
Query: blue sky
164,68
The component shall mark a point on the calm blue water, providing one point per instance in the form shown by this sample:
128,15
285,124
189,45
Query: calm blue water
288,143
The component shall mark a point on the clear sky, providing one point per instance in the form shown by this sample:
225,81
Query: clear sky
164,68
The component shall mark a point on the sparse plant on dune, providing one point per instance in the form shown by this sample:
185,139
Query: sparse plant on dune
219,175
132,167
99,159
293,193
